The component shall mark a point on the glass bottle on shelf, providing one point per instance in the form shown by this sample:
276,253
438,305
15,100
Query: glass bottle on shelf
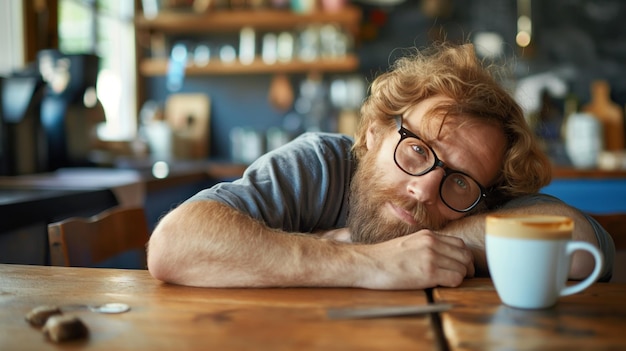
608,113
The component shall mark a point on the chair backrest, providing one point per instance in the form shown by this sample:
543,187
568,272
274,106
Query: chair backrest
87,242
615,224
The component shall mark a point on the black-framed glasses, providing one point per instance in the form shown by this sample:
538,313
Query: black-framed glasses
457,190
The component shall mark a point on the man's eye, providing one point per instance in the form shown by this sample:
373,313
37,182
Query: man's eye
460,183
418,149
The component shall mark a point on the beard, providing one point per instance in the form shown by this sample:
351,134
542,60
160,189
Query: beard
369,194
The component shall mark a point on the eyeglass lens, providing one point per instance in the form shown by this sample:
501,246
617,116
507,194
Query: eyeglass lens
459,191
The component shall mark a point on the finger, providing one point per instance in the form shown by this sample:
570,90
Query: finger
471,270
449,278
452,247
460,243
452,240
453,264
457,253
445,271
451,270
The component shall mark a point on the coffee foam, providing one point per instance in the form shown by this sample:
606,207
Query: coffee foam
543,227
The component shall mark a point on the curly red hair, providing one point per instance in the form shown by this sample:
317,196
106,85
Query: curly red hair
455,72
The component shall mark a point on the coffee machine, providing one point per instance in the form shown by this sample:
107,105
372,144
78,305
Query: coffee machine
70,110
21,136
49,114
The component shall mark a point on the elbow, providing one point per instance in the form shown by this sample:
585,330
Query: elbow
179,250
159,271
156,265
162,261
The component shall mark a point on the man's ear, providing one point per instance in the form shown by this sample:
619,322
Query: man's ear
371,136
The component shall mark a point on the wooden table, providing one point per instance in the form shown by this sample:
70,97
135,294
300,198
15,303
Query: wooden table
169,317
592,320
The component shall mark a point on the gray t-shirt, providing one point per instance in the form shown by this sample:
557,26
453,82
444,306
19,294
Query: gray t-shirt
303,187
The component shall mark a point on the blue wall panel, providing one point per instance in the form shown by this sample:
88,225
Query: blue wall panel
591,195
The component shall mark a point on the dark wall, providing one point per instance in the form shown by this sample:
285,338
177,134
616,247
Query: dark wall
582,39
588,37
237,100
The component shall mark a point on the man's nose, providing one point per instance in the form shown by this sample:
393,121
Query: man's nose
425,188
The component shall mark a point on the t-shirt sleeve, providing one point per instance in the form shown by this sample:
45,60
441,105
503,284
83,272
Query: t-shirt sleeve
300,187
605,242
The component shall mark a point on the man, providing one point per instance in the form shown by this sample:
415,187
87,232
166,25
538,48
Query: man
402,207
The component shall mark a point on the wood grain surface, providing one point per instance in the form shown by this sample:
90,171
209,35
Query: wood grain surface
592,320
170,317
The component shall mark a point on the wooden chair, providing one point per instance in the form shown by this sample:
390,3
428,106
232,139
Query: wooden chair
615,224
94,241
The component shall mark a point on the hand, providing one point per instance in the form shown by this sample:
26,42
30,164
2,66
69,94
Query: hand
417,261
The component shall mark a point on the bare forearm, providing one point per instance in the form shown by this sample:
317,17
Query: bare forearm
209,244
472,230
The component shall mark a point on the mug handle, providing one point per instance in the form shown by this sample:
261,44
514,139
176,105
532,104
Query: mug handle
573,246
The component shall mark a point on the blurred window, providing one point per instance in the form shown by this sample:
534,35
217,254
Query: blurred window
105,28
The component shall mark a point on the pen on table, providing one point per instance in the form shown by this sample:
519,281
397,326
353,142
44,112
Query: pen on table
385,311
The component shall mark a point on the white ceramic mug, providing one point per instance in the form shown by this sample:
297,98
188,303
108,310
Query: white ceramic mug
529,258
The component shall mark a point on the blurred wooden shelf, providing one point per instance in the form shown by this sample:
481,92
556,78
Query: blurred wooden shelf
154,34
231,20
349,63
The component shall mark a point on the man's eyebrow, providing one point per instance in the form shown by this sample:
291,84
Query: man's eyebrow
435,144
